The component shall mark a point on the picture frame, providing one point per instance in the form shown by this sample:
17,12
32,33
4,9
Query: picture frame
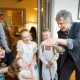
14,16
1,11
78,10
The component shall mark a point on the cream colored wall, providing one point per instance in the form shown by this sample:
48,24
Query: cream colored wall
31,14
58,5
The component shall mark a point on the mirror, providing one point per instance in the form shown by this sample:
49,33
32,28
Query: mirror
14,16
15,19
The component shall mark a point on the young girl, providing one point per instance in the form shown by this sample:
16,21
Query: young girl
21,69
26,48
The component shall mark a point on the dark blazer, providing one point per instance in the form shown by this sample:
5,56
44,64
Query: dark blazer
74,33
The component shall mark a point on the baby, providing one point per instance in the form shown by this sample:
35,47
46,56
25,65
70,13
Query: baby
20,68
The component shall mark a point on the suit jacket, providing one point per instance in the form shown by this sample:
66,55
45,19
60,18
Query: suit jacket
74,34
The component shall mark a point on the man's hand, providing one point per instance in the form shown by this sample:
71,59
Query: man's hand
49,42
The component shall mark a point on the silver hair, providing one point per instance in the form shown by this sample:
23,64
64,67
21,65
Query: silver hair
65,14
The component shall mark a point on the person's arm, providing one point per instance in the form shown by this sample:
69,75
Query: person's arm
24,75
27,76
35,47
3,38
66,42
53,42
55,57
18,54
19,49
35,59
75,41
61,41
58,48
34,51
4,70
42,57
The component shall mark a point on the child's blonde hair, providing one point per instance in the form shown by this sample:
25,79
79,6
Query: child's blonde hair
45,30
23,30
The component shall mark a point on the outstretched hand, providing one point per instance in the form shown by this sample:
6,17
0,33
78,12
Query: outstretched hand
49,42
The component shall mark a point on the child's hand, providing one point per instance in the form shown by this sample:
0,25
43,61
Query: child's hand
48,65
30,65
51,63
43,43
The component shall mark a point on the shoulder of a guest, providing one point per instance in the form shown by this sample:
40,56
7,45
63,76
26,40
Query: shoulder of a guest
75,23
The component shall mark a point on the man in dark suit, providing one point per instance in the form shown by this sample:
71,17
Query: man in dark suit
69,40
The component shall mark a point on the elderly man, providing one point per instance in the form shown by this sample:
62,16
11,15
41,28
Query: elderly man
69,39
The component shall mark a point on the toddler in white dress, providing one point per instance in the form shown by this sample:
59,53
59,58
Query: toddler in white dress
26,48
20,69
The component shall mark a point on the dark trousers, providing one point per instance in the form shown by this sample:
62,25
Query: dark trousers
9,58
67,69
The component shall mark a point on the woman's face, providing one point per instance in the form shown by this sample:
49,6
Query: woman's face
2,53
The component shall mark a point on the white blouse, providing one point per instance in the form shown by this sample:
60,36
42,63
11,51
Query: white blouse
27,50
